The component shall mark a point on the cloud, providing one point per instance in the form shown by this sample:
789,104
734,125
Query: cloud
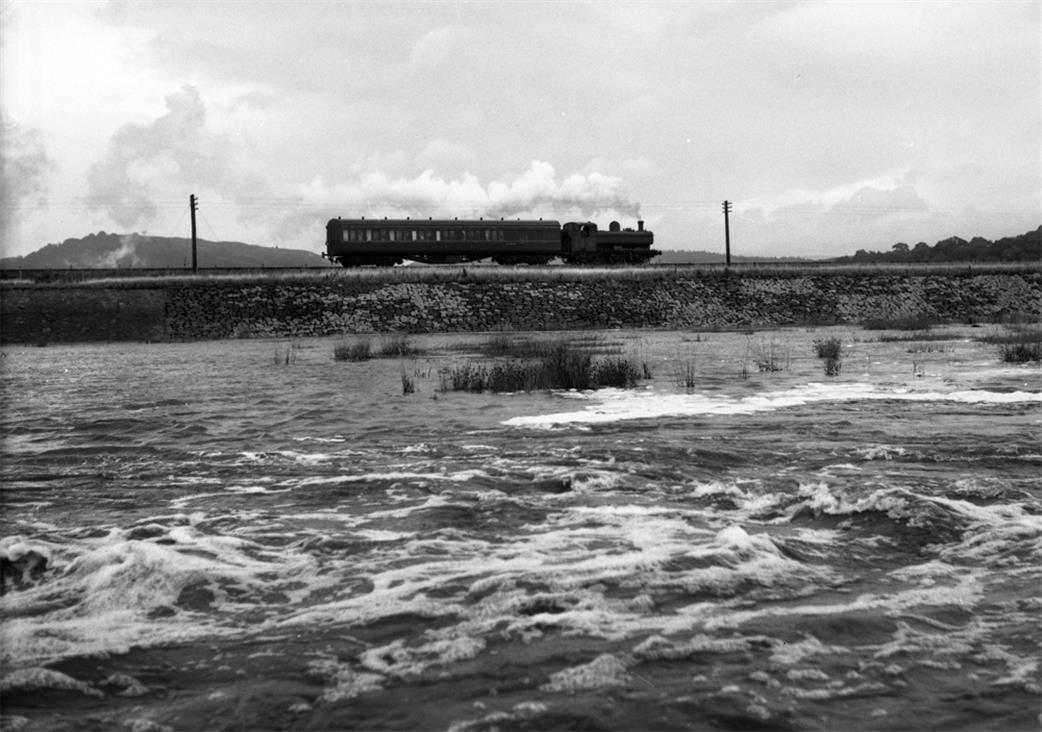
141,158
441,153
435,46
25,166
871,203
180,147
847,218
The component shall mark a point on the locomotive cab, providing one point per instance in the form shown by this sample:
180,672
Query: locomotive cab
584,243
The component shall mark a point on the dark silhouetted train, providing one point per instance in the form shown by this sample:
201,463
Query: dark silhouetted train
386,242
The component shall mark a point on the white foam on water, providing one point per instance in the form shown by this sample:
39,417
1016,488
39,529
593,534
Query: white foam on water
965,591
604,672
1000,534
101,594
253,489
344,681
15,548
614,405
577,554
37,679
399,660
657,647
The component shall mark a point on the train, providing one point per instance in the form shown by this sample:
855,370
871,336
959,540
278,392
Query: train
387,242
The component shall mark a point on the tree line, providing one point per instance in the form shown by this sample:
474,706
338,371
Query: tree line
1024,248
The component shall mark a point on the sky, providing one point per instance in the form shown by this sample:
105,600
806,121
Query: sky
830,126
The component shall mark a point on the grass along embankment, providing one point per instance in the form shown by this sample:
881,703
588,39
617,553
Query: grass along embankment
460,299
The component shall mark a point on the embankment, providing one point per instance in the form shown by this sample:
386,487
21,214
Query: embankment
204,308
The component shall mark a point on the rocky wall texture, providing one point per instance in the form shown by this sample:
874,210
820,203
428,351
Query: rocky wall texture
203,309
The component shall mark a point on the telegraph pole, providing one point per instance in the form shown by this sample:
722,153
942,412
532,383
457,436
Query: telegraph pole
727,231
193,204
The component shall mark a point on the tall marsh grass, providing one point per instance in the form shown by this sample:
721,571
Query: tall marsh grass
1020,352
685,375
551,365
398,346
831,350
359,350
770,356
828,347
1020,344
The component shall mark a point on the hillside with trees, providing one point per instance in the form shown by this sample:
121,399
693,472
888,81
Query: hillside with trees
1024,248
139,251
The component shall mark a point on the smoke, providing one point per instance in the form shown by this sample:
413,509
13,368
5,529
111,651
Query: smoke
22,185
173,147
535,192
125,256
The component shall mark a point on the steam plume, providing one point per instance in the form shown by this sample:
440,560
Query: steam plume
535,192
25,163
172,147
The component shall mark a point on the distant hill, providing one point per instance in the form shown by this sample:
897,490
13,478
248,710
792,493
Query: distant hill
1023,248
110,251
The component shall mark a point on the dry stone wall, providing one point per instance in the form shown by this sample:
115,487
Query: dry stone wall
202,309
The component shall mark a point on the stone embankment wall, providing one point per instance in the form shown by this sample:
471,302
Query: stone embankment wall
200,309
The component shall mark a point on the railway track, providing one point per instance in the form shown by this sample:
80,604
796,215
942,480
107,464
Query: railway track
73,275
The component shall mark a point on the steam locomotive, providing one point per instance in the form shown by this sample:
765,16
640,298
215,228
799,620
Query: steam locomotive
386,242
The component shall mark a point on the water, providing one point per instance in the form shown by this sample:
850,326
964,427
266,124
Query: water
238,542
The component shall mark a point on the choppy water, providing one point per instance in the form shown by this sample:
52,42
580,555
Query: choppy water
239,542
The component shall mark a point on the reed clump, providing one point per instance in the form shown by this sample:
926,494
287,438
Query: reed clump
685,375
1020,352
559,365
399,346
831,350
828,347
359,350
408,384
1019,345
770,356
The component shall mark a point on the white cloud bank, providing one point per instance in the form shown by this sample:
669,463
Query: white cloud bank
831,126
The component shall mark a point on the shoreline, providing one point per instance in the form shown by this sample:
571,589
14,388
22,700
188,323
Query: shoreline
472,300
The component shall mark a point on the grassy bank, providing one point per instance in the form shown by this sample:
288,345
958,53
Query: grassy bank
428,274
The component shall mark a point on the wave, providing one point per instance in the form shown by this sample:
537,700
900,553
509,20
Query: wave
614,405
151,584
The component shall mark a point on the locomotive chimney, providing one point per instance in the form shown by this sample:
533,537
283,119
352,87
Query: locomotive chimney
640,226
